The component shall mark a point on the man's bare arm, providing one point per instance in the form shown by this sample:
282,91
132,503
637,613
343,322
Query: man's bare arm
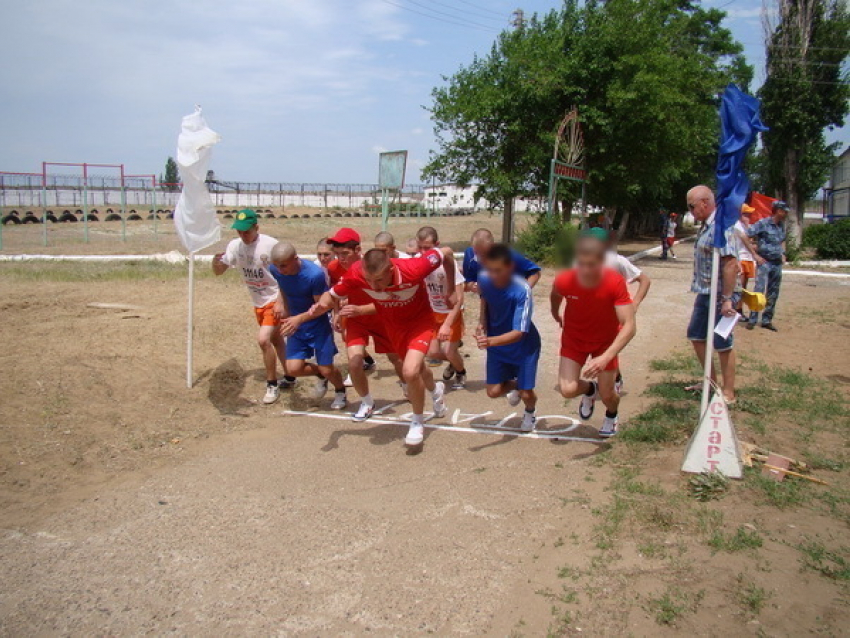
644,282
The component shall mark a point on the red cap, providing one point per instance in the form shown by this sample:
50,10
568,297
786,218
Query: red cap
344,235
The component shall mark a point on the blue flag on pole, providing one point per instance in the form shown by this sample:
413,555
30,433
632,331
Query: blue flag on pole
740,123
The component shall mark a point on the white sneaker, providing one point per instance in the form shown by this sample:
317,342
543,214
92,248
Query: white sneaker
439,400
339,401
404,389
609,427
513,397
585,408
348,383
415,435
529,421
320,389
618,385
363,412
272,394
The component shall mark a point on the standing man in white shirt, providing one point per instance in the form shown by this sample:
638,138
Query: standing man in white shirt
251,254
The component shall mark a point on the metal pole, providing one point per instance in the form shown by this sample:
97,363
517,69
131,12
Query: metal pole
2,209
44,200
123,207
709,338
153,205
385,209
86,202
553,187
190,322
583,202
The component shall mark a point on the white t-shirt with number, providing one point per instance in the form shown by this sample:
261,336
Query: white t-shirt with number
253,261
743,253
622,265
435,283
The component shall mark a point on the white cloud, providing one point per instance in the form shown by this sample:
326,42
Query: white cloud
417,131
736,14
378,149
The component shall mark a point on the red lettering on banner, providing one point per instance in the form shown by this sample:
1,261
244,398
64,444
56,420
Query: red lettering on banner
714,437
570,171
715,421
713,450
716,407
712,465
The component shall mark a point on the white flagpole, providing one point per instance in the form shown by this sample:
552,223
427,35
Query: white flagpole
190,321
709,338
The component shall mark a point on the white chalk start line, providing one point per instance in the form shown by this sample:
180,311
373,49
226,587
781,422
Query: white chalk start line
463,422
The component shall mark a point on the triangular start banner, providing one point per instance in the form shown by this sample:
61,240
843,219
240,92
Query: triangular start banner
714,445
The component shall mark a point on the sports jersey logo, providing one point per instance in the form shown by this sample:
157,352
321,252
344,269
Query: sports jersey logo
264,259
433,259
402,294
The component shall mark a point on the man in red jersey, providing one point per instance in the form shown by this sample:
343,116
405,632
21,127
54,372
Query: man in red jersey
598,322
398,292
360,324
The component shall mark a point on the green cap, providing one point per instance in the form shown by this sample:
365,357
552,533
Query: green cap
245,219
597,233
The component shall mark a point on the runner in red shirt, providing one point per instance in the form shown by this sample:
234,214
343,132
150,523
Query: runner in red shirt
360,324
598,322
397,290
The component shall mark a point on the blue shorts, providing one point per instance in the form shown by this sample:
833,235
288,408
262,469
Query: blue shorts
305,343
698,328
501,369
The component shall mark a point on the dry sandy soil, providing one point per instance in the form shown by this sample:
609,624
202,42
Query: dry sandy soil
132,505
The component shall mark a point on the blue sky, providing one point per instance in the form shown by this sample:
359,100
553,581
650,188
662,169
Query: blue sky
300,90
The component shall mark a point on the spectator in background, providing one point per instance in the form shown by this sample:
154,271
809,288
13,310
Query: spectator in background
746,250
671,234
482,241
769,234
701,204
662,229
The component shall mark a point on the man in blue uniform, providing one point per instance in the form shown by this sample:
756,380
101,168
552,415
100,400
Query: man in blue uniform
482,242
769,236
506,331
301,284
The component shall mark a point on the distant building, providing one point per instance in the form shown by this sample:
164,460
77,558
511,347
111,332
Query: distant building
838,193
452,197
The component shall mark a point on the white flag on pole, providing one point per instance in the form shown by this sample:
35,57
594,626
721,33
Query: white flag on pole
194,217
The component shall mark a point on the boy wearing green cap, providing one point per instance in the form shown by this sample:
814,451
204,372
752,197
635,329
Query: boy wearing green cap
251,254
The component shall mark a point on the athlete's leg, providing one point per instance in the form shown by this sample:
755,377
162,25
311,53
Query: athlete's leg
413,374
333,375
496,390
727,369
570,382
266,338
451,352
529,398
359,379
607,393
279,343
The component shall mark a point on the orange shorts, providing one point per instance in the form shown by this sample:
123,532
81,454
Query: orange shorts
265,315
748,269
457,328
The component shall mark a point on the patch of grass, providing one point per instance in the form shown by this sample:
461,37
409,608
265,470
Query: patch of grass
68,272
665,422
829,563
742,539
651,549
788,493
750,596
708,486
818,461
672,605
671,390
677,362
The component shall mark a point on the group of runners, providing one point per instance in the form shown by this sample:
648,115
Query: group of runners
409,306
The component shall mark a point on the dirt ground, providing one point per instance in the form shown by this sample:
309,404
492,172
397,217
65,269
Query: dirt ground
132,505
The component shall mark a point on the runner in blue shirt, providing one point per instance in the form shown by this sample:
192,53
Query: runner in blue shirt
301,284
506,331
482,241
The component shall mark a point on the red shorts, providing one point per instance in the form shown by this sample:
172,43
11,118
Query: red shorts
357,333
265,315
580,353
671,241
413,338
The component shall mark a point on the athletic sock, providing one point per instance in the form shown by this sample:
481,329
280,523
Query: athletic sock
340,390
417,418
368,359
610,415
368,400
272,383
531,410
591,390
288,379
320,376
619,377
461,371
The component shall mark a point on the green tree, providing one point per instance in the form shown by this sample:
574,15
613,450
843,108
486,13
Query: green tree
645,75
805,93
171,179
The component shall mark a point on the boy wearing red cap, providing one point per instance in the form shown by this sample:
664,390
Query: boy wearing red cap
398,293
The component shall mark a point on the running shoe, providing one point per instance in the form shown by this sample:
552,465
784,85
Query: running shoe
585,408
513,397
618,385
320,389
448,373
287,384
609,427
439,400
369,365
529,421
363,412
415,435
348,383
339,401
272,394
460,381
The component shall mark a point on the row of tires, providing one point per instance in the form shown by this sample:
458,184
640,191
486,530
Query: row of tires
94,216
